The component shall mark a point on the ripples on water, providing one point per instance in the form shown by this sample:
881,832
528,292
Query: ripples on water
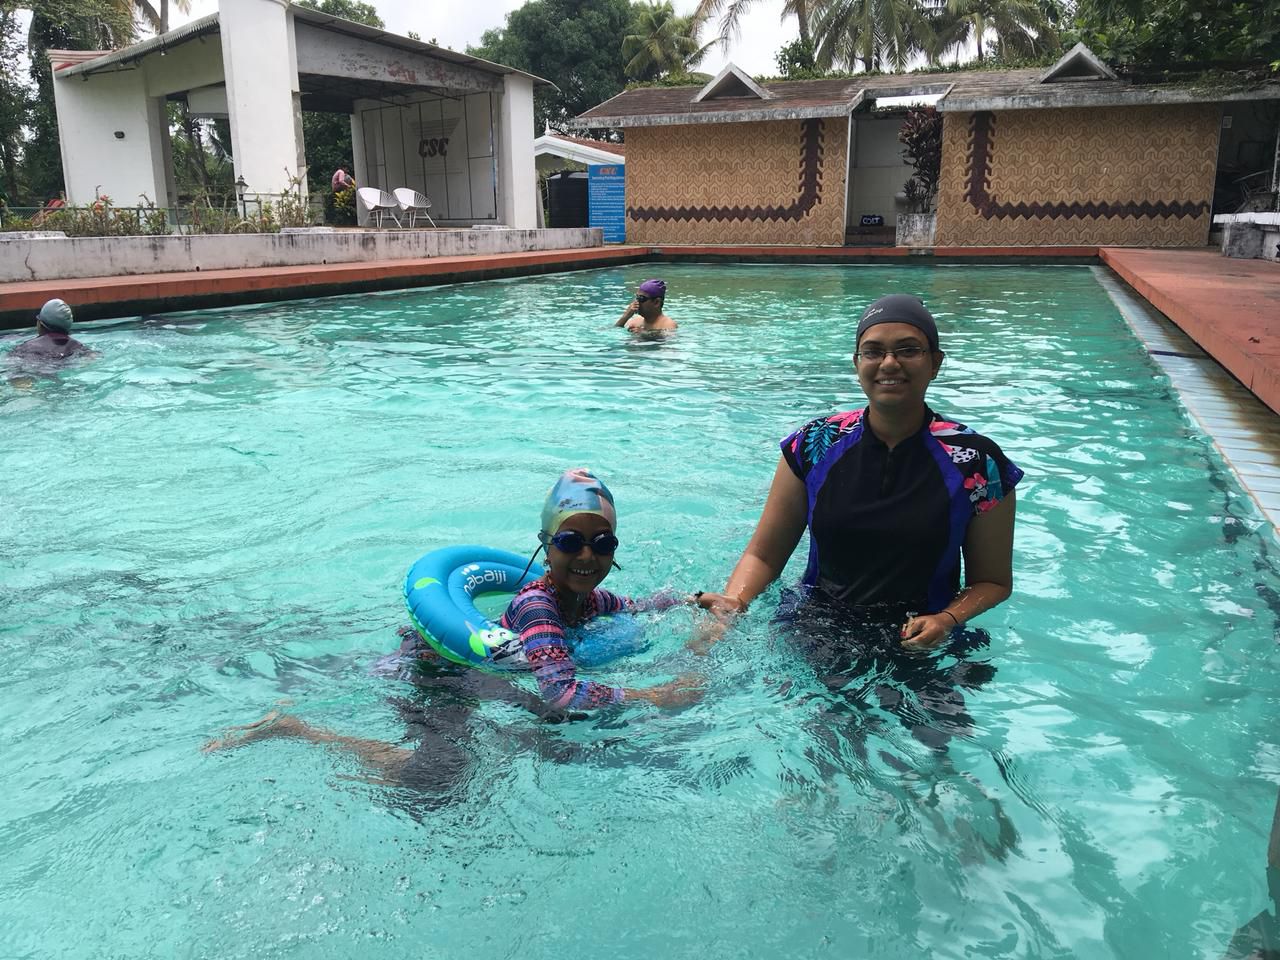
217,515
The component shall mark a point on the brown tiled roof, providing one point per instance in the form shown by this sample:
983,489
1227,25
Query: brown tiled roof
604,145
964,90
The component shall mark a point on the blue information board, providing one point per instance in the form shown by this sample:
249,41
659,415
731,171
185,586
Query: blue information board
607,200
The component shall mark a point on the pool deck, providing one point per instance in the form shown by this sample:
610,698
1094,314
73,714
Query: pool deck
1230,308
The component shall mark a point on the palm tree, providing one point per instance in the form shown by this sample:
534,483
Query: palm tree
663,43
1021,28
876,34
158,18
734,9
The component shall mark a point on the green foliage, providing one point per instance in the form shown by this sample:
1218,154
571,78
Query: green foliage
1141,36
731,12
576,44
201,155
293,207
674,80
340,207
921,139
796,61
875,34
102,218
15,105
662,43
352,10
1021,28
326,138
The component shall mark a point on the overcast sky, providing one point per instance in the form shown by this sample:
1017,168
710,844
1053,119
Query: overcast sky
456,23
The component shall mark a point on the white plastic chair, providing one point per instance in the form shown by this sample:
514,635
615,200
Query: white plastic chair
379,203
414,204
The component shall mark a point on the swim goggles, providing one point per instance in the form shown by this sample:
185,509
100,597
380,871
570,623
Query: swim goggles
570,541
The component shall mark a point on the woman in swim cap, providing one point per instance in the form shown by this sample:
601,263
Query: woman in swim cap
644,313
894,497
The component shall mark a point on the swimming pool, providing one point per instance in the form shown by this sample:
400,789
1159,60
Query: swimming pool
218,515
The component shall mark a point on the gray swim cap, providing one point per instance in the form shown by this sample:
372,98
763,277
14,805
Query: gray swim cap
900,308
56,315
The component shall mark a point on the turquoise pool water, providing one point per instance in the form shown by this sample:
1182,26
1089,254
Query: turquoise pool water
218,515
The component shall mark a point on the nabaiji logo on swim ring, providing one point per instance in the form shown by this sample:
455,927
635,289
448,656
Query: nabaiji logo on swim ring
477,579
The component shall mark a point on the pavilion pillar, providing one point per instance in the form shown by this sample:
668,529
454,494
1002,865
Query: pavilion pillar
259,61
517,175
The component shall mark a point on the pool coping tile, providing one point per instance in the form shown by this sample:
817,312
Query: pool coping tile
1243,429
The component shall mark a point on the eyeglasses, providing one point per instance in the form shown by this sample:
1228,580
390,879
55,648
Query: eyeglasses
571,541
876,354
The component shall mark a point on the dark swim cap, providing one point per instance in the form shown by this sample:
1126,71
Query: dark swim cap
899,308
56,316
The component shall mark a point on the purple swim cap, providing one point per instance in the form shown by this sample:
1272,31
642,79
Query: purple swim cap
654,288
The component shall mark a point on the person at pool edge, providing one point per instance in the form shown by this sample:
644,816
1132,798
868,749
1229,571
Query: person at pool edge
53,340
893,496
644,313
577,535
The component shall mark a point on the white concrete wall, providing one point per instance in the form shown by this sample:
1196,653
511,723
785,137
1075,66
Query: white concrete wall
358,163
262,92
879,171
61,259
517,177
208,102
197,63
90,112
327,53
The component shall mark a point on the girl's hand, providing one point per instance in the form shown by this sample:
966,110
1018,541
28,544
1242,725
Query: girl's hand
705,633
684,691
926,631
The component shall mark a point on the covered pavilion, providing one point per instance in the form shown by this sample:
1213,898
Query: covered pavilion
452,126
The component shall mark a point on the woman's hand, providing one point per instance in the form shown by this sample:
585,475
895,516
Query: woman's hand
926,631
684,691
724,608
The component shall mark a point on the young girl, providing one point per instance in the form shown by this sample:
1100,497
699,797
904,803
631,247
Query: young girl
577,534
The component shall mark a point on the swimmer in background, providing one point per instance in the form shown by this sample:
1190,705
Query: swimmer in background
577,535
53,340
644,313
46,352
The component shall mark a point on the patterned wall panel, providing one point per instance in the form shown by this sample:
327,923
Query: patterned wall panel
779,181
1126,176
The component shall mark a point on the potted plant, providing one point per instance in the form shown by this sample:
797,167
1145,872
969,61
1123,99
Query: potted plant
921,139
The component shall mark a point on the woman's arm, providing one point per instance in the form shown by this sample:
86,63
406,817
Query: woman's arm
782,522
988,576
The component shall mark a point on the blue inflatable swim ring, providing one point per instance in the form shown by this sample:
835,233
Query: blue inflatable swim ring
439,592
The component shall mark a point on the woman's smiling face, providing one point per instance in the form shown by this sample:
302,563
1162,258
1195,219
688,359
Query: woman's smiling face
893,380
583,571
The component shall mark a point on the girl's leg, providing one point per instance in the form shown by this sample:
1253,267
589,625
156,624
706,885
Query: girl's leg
384,758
